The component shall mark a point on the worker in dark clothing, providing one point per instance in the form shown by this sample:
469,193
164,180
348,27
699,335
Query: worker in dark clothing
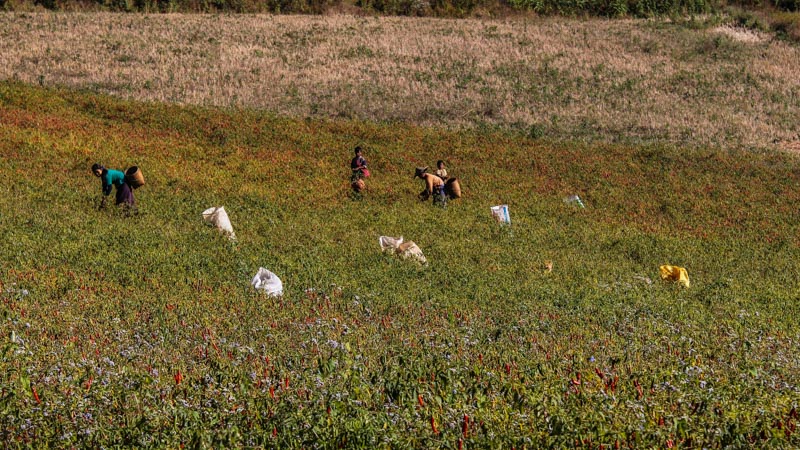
359,165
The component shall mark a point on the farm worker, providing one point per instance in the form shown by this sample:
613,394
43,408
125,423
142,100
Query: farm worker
433,185
114,178
441,171
358,165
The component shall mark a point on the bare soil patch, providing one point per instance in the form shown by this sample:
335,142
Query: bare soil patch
741,34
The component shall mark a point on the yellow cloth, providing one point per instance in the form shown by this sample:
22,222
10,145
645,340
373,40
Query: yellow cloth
675,273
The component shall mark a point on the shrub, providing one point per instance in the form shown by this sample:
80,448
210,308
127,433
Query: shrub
787,24
788,5
449,8
613,8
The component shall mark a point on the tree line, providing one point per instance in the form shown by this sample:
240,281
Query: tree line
429,8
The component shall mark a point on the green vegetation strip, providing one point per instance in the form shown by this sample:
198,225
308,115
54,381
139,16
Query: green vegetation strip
438,8
144,331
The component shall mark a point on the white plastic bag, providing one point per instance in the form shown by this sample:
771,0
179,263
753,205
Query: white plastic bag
217,216
410,250
268,282
390,243
500,214
574,199
404,249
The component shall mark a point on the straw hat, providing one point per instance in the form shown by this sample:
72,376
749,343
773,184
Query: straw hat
419,171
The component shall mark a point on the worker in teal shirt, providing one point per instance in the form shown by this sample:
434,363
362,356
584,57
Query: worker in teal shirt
116,179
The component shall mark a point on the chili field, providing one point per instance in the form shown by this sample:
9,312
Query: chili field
144,331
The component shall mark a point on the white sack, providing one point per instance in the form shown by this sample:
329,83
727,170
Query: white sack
219,218
410,250
500,214
404,249
390,243
574,199
268,282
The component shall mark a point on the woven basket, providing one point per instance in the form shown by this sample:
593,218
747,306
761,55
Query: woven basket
452,188
134,177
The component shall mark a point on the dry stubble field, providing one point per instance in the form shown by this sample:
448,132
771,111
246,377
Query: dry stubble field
692,83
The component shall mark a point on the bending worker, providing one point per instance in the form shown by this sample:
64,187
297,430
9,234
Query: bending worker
114,178
433,185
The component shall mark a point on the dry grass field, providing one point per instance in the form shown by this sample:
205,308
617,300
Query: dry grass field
600,80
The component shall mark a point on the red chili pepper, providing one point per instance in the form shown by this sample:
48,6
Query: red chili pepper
35,395
421,401
433,426
178,377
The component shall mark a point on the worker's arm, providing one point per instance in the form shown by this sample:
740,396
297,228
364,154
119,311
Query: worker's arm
106,192
105,180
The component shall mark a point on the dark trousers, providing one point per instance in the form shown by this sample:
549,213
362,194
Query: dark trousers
125,195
